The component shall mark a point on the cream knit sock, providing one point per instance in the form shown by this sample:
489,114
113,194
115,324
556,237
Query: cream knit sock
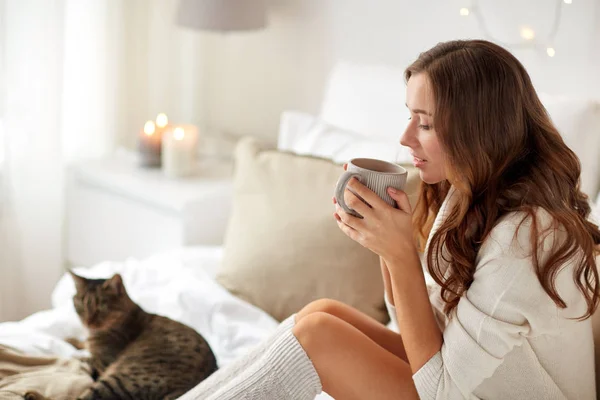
284,371
223,376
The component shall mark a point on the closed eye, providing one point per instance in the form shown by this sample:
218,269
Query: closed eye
424,127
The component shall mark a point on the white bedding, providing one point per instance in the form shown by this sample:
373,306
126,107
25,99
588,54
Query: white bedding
177,284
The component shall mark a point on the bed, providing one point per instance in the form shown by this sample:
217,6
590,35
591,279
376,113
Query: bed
180,283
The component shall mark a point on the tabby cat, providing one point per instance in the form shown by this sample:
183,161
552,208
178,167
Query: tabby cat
134,354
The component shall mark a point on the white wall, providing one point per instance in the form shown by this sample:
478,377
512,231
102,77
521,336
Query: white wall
158,65
252,77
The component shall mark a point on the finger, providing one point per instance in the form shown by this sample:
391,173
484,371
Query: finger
334,200
345,167
367,194
348,231
348,219
357,204
401,199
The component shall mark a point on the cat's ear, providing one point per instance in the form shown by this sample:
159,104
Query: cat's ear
115,284
80,283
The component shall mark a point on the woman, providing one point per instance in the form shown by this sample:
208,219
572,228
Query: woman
508,251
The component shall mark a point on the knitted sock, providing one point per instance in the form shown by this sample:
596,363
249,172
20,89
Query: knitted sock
284,371
225,374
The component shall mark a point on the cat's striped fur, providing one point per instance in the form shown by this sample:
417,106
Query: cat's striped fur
136,355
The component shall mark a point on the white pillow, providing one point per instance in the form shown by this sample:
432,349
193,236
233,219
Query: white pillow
578,121
369,99
305,134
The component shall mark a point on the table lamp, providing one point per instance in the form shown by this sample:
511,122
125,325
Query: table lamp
222,15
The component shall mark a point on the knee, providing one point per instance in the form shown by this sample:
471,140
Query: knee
315,329
327,306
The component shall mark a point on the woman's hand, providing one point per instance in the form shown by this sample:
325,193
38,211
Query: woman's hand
385,230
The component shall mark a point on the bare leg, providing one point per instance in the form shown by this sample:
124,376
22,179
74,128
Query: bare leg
354,356
376,331
349,363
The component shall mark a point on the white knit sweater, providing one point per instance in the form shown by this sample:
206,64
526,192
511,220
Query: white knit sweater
507,339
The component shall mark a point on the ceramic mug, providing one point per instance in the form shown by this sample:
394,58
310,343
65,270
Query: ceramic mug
377,175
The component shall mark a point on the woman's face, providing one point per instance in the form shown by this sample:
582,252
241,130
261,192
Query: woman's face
420,135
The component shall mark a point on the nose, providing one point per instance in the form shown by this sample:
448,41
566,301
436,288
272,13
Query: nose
409,138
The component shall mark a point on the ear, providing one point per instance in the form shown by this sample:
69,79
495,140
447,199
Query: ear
115,284
80,283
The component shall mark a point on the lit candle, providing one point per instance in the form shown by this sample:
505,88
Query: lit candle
149,145
150,141
162,124
179,150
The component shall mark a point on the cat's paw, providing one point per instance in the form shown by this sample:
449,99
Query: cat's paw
34,396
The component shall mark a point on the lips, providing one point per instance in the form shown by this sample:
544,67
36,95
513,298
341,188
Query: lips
419,162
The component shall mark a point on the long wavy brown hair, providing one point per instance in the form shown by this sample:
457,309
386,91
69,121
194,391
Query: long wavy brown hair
503,154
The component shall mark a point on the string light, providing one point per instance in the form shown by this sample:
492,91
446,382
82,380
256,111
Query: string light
526,32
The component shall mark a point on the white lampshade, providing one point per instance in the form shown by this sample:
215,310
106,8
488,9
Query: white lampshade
222,15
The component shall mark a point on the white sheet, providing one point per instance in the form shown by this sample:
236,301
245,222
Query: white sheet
177,284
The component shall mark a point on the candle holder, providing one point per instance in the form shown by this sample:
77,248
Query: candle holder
150,142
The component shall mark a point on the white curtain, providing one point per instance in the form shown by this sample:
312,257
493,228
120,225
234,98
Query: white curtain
53,110
77,78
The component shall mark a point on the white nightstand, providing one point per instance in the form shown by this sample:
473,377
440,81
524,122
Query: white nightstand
116,210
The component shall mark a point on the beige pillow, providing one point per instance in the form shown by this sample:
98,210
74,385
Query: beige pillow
283,248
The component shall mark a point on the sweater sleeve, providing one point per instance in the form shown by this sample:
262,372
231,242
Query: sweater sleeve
496,313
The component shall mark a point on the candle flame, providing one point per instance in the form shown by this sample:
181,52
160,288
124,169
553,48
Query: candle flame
162,120
149,128
179,134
